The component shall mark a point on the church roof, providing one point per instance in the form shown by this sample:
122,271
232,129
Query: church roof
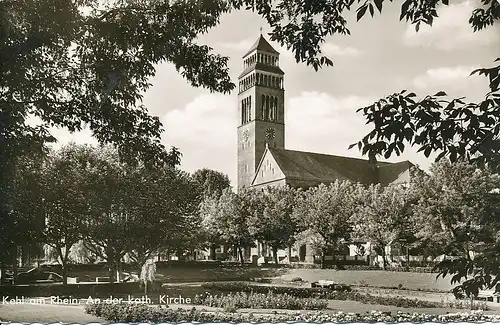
262,67
319,167
262,45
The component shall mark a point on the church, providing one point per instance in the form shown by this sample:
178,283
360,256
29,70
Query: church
263,159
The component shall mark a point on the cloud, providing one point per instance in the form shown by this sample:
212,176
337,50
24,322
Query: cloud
205,133
241,46
451,30
64,136
456,77
331,49
328,48
320,122
205,130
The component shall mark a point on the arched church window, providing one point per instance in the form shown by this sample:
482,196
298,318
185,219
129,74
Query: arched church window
249,108
257,75
271,108
267,107
263,108
276,108
242,111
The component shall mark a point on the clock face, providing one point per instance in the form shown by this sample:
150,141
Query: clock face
270,133
246,135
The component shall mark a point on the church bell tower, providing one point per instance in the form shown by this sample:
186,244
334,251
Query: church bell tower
261,108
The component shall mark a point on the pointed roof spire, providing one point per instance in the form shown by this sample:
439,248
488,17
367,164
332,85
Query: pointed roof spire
262,45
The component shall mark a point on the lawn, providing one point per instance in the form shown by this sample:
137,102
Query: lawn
408,280
177,275
75,314
186,274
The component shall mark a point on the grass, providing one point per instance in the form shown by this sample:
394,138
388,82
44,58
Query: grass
184,274
384,279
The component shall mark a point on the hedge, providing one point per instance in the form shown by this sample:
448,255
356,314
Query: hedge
145,313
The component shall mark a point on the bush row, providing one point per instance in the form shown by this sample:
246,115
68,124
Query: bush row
270,300
320,293
145,313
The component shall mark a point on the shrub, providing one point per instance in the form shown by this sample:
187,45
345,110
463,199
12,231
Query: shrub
269,300
297,279
143,313
320,293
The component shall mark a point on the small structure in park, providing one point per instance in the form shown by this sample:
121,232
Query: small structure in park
329,284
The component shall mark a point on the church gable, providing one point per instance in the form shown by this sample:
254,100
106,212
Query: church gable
395,172
268,171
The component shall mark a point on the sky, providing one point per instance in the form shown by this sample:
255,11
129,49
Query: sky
380,57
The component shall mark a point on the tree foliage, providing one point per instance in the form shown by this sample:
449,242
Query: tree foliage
458,212
65,207
324,214
273,222
382,215
228,217
211,182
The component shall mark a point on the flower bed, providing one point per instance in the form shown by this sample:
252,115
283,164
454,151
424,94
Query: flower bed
144,313
233,301
320,293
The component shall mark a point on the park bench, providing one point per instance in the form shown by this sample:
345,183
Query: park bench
102,279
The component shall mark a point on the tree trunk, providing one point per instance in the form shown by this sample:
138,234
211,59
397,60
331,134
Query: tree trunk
384,259
2,269
64,263
323,258
14,261
111,269
118,263
240,250
213,257
290,254
275,255
64,271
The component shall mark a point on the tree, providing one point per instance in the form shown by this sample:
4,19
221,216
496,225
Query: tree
228,217
381,216
65,205
23,223
323,214
110,226
160,206
211,182
273,224
457,212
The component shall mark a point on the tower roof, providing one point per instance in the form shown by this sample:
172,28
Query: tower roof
262,45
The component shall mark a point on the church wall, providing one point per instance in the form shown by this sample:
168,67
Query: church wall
403,177
269,171
278,182
247,160
305,184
